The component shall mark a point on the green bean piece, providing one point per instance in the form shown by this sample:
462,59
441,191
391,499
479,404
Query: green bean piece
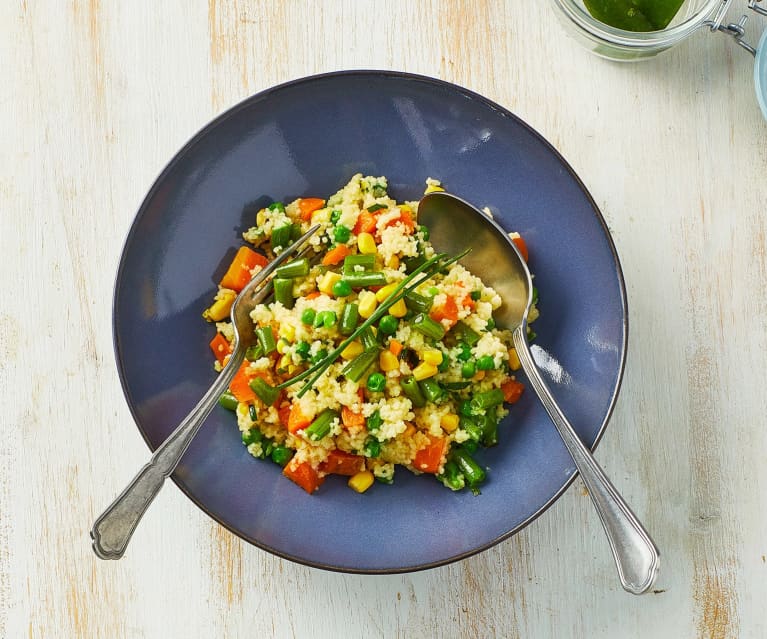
485,363
413,263
468,369
388,325
464,408
455,386
431,390
329,319
320,427
418,303
376,383
470,445
281,236
466,334
342,288
266,339
251,436
482,401
427,326
367,262
489,423
283,292
277,206
295,232
267,446
349,318
266,393
281,455
357,367
372,447
374,422
252,413
296,268
369,340
472,427
319,319
451,476
308,315
413,392
228,401
472,471
254,352
445,363
363,280
535,294
341,234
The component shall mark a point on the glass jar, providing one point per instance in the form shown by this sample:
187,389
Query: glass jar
617,44
625,46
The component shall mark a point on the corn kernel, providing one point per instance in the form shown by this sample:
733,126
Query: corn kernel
432,356
393,262
321,216
352,350
431,188
367,303
366,244
287,331
220,308
398,309
424,370
284,362
282,345
361,481
449,422
384,292
261,217
514,363
388,361
327,281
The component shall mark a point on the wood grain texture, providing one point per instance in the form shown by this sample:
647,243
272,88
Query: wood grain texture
99,95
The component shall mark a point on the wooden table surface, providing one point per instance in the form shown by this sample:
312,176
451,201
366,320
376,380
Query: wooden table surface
97,96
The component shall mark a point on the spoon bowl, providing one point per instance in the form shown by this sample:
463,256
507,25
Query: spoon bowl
453,223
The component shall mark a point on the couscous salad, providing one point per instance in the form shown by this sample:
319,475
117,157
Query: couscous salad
374,352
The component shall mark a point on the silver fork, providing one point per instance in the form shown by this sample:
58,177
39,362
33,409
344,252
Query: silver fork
113,529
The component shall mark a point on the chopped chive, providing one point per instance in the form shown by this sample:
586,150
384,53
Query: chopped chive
252,413
335,216
376,207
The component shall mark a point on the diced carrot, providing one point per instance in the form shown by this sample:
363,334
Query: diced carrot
336,255
238,273
312,295
395,347
512,391
429,458
468,302
522,246
366,223
447,311
308,205
220,347
239,386
405,218
350,419
283,412
340,462
304,475
297,420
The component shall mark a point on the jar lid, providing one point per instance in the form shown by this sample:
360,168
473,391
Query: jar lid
760,73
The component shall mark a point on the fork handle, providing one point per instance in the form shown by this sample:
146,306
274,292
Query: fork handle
113,529
634,551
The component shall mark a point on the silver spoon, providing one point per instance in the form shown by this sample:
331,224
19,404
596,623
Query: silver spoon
502,267
112,530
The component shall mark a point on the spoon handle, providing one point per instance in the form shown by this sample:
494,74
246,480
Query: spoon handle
635,553
113,529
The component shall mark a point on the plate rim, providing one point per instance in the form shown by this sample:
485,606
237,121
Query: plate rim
410,77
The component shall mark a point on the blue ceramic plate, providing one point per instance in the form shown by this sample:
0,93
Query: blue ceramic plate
306,138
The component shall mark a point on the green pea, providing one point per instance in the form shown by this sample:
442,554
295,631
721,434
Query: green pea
307,317
388,324
468,369
490,324
486,363
341,234
465,354
302,350
476,295
330,319
376,383
342,288
281,455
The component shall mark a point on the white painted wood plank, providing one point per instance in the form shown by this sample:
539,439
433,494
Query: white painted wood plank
99,95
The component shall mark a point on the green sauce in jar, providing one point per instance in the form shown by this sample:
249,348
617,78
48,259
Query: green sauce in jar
634,15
